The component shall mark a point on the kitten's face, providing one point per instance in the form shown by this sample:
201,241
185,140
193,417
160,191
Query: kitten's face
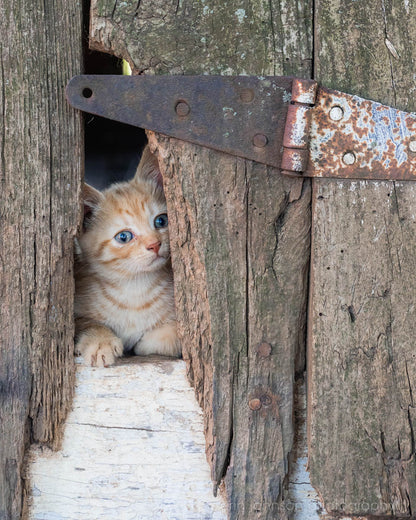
127,233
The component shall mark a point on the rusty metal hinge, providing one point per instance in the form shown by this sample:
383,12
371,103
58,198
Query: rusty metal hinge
290,123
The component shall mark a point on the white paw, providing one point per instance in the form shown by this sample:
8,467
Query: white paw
98,351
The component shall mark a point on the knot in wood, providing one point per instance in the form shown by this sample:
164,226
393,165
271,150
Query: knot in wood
266,400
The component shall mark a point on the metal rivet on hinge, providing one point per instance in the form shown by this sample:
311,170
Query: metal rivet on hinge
247,95
254,404
348,158
412,146
260,140
336,113
182,108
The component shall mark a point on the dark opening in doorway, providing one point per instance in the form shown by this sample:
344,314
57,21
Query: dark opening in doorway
112,149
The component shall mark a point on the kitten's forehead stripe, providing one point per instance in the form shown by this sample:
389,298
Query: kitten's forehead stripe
134,207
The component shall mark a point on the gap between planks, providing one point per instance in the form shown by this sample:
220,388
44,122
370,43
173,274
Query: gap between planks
302,501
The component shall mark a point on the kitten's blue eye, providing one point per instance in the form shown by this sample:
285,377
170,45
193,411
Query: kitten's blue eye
124,236
161,221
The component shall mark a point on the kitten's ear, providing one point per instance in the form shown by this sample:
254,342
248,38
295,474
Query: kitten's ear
148,168
91,199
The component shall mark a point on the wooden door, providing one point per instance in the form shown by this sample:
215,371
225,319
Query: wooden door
241,248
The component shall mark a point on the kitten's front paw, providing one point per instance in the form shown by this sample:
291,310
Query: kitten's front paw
99,350
163,341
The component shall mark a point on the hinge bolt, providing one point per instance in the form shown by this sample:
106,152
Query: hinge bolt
182,108
348,158
247,95
260,140
336,113
412,146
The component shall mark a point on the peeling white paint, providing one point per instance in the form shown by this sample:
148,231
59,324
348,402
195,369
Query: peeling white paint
406,6
240,14
287,96
133,449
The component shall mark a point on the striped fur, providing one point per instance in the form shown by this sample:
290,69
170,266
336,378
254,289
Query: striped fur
124,291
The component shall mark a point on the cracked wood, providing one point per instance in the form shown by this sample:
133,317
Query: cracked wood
239,233
362,364
40,143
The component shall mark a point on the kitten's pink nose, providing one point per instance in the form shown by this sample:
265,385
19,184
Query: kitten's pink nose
154,247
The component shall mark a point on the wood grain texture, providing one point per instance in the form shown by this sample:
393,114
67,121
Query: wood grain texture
362,363
244,240
219,37
40,170
239,234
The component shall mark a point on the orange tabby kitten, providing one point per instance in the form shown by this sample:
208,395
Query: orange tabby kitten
124,285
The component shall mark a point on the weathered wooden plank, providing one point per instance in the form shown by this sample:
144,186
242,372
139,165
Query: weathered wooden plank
219,37
40,170
361,346
246,216
239,233
133,448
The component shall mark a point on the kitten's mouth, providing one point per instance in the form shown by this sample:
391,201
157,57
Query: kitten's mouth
156,258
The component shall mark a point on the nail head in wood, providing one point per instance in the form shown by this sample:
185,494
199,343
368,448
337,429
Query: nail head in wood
264,349
254,404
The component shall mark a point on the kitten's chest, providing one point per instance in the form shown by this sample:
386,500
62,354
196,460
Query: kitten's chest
133,309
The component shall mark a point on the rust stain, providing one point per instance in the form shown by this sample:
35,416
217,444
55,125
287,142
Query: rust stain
379,136
297,127
304,91
265,403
